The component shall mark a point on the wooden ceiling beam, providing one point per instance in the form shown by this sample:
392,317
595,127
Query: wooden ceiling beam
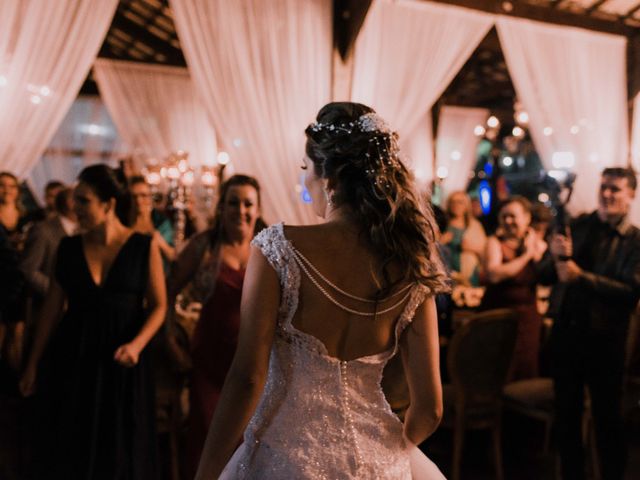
348,17
545,14
174,55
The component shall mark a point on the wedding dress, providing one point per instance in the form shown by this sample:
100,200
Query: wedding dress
320,417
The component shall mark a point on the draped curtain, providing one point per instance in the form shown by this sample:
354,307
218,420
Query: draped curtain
406,55
263,69
156,109
456,144
572,82
42,68
85,136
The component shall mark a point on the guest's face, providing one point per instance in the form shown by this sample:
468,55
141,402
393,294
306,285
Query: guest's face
9,190
315,186
50,197
514,219
90,210
240,210
142,198
615,197
458,205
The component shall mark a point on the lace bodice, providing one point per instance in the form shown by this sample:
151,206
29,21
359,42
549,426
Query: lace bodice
320,417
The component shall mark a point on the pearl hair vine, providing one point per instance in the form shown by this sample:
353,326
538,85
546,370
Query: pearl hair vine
379,165
369,122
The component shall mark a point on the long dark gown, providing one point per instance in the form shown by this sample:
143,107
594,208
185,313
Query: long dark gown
214,344
103,413
519,294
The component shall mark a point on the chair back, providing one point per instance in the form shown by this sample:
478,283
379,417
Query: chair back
479,357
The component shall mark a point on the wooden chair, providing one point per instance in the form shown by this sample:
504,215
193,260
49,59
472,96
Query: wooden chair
478,360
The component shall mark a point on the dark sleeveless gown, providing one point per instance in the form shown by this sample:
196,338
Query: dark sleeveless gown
519,294
213,346
103,413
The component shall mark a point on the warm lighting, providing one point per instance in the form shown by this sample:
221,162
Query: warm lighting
173,173
574,129
493,122
507,161
223,158
507,6
547,131
522,117
45,91
154,178
208,179
563,160
517,132
456,155
543,197
35,99
442,172
479,130
188,178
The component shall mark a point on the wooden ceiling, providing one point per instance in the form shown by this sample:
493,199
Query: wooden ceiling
144,31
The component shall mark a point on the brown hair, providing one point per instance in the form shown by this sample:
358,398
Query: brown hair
620,172
362,164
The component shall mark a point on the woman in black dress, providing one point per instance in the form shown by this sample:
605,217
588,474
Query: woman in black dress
101,388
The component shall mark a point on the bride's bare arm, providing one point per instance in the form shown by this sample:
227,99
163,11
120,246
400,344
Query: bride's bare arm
245,380
420,355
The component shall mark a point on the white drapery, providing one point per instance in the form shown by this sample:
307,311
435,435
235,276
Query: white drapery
406,55
572,83
85,136
46,51
156,109
263,69
456,144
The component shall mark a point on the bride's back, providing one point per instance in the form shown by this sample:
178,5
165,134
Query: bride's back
347,260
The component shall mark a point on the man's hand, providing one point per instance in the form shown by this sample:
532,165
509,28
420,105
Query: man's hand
568,271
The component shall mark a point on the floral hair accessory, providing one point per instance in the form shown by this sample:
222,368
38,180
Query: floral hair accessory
369,122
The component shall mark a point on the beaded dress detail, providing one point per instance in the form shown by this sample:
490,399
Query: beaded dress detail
320,417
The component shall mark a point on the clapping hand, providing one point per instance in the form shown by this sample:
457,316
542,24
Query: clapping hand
561,246
127,355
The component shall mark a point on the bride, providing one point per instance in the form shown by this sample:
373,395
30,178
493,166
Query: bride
324,308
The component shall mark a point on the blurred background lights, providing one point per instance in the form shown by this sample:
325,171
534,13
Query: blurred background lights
456,155
563,160
223,158
493,122
479,130
547,131
507,161
442,172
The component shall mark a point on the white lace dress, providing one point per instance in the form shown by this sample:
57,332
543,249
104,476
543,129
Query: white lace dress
319,417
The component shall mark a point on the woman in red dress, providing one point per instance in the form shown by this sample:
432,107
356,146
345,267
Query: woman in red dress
215,261
510,260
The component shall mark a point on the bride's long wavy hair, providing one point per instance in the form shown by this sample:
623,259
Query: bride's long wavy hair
359,157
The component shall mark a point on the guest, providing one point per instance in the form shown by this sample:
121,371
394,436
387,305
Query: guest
149,221
51,190
12,214
111,280
510,266
541,218
597,269
41,246
465,238
215,261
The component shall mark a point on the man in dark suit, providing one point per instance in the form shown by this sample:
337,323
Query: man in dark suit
596,265
38,258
